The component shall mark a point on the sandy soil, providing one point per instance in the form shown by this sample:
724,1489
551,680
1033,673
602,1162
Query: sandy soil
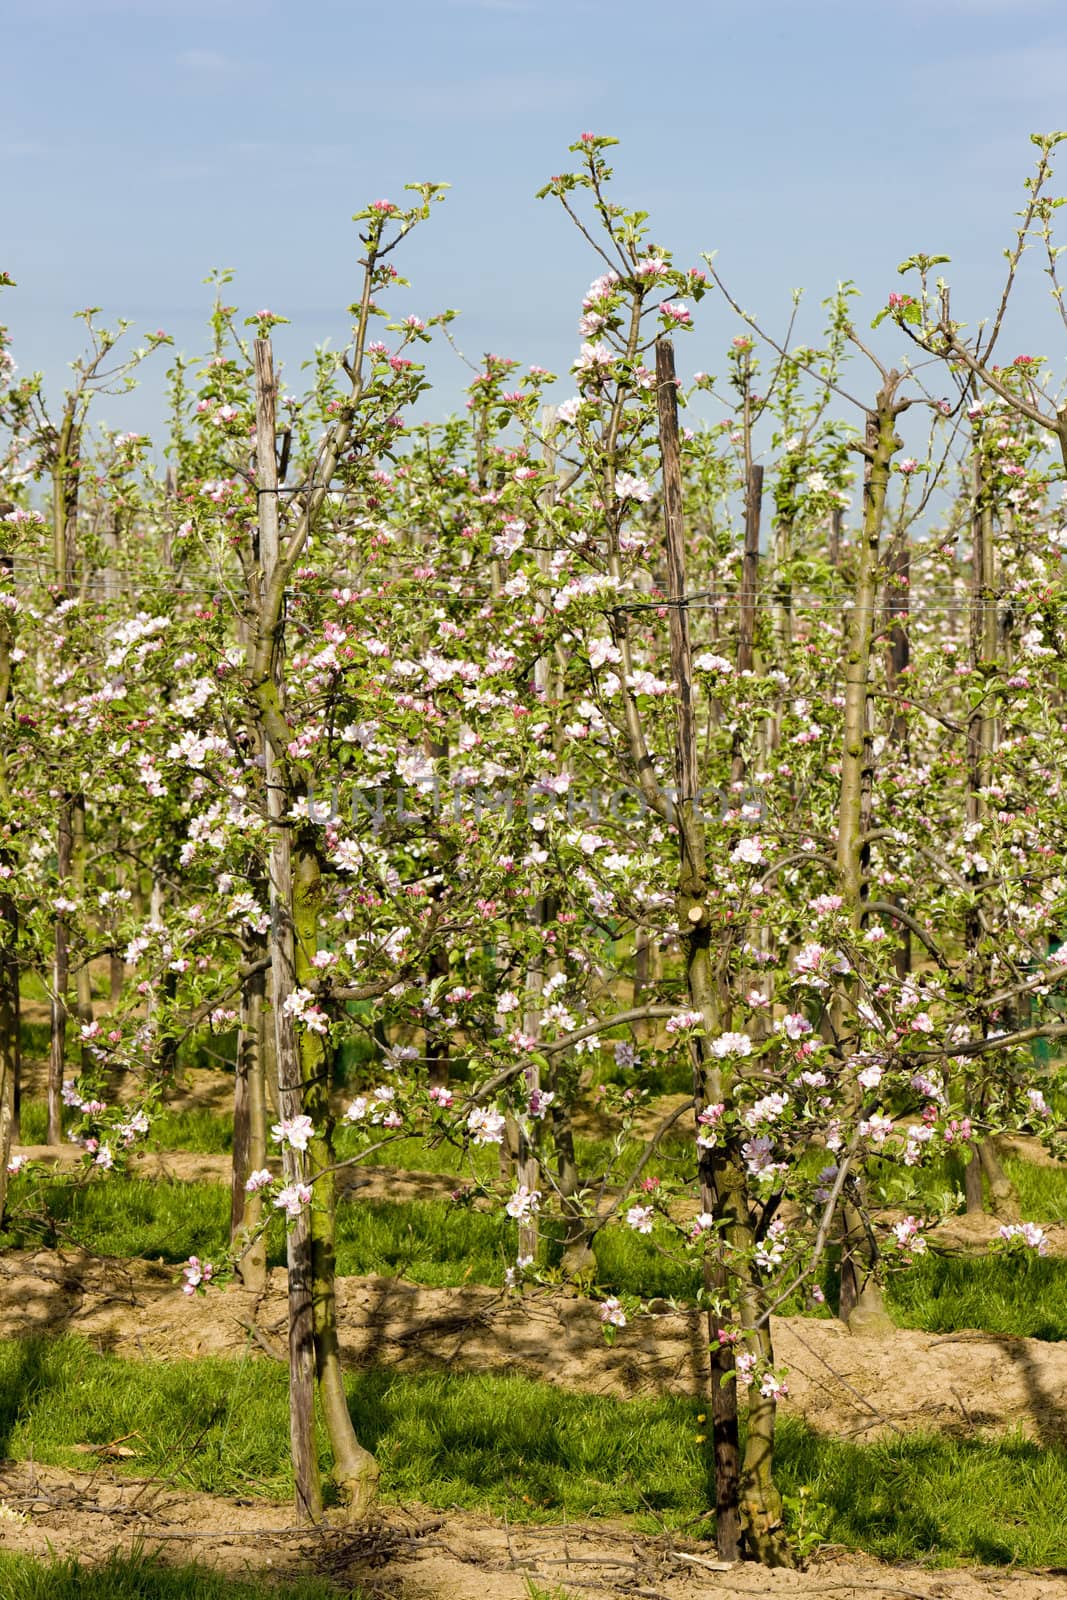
188,1166
414,1554
853,1386
966,1383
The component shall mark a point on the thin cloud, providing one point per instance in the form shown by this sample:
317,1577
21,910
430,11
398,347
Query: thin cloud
209,62
1028,75
505,6
502,96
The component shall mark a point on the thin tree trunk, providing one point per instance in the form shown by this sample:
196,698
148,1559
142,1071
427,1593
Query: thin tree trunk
355,1470
10,1021
898,660
981,744
837,518
57,1046
861,1296
83,978
250,1120
746,1497
303,1062
302,1439
10,1062
528,1165
66,471
746,639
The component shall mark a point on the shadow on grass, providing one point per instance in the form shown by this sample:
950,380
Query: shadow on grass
505,1444
143,1577
27,1377
932,1498
538,1453
1024,1295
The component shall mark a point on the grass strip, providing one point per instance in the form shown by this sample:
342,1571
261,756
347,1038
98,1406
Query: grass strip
444,1245
139,1576
507,1445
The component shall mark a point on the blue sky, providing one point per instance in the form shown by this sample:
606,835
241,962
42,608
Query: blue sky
144,142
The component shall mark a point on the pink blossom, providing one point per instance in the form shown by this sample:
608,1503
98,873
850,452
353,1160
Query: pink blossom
293,1198
683,1020
524,1203
1028,1233
731,1044
612,1314
627,487
824,904
909,1237
294,1132
485,1125
749,851
196,1272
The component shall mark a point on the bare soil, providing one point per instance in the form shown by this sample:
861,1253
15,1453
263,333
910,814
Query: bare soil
189,1166
967,1383
414,1554
849,1385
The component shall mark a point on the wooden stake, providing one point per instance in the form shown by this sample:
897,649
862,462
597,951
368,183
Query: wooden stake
294,1166
692,886
750,570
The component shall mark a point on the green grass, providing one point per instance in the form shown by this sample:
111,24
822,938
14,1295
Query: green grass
35,1038
33,1122
415,1155
120,1216
215,1426
1042,1190
203,1131
627,1263
145,1577
928,1497
431,1242
446,1245
208,1133
505,1444
1011,1294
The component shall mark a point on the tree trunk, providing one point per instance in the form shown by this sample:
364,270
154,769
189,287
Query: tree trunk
303,1064
746,1498
250,1120
861,1296
972,1181
10,1021
83,978
354,1468
57,1044
981,744
897,663
1003,1195
9,1039
302,1439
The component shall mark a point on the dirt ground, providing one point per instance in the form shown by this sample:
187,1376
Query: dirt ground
853,1386
413,1554
967,1383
